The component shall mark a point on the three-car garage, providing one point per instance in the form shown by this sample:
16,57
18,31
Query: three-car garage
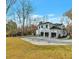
47,34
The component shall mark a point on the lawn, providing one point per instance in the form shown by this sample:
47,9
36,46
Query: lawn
19,49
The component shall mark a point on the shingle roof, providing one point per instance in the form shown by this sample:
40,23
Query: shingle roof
50,23
55,27
45,23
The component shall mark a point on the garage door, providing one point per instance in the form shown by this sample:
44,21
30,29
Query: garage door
42,33
53,34
46,34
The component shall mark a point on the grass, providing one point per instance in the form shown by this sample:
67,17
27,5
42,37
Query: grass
19,49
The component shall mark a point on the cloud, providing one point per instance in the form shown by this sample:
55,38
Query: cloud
36,16
51,15
50,18
54,19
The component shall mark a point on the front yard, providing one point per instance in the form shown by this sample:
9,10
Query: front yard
19,49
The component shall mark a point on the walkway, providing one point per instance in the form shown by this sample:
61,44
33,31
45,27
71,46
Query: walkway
47,41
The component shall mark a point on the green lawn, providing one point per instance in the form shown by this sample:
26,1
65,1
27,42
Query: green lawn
19,49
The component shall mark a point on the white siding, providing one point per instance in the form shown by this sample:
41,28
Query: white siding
44,29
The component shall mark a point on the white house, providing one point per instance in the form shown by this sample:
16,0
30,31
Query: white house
48,29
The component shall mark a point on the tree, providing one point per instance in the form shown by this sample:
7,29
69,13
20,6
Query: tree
45,18
68,13
11,27
30,30
24,12
69,29
9,4
69,25
29,10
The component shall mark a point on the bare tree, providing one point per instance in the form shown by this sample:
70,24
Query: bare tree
45,18
9,4
24,12
29,10
68,13
69,25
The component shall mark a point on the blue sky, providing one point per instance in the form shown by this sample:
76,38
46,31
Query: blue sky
45,7
57,7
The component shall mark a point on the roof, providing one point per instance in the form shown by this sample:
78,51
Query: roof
50,23
55,27
57,24
44,23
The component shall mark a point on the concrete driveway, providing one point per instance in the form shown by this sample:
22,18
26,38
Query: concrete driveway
47,41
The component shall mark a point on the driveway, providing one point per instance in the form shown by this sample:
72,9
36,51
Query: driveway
47,41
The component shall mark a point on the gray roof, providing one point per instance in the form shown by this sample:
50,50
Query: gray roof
45,23
55,25
50,23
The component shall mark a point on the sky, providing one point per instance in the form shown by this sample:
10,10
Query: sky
52,8
57,7
45,7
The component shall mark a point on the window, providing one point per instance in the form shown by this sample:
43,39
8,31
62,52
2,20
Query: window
46,26
41,26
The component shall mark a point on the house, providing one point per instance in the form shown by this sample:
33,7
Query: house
48,29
